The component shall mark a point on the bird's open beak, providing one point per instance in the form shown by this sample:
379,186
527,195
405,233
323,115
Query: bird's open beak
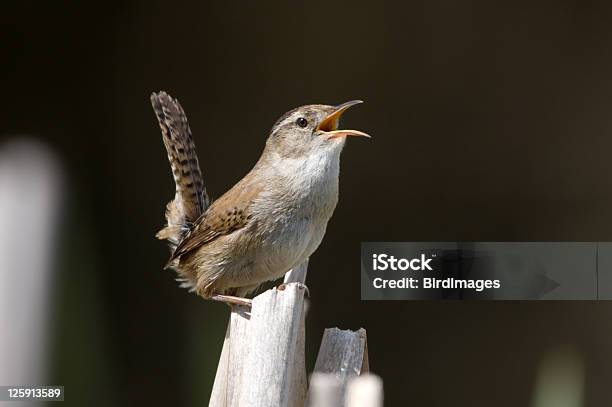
329,125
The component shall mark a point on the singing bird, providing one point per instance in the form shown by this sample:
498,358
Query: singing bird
272,220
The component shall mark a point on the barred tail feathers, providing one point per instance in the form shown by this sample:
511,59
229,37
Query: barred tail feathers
190,199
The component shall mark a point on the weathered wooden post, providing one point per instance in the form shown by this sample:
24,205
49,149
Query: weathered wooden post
262,363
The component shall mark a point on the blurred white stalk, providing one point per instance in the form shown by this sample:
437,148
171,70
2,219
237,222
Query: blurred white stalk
560,380
365,391
30,197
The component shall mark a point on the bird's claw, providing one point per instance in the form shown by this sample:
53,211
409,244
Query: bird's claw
301,286
233,300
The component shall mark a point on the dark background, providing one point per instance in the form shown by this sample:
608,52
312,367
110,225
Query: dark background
490,121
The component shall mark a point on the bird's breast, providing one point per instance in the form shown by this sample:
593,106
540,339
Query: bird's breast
308,188
293,210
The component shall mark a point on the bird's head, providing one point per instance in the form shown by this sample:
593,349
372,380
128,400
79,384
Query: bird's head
311,129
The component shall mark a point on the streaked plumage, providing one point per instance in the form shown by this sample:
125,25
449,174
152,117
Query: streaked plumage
190,199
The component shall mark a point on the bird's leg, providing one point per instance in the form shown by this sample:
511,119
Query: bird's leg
232,300
300,285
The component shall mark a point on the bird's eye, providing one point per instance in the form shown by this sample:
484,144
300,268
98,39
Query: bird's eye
302,122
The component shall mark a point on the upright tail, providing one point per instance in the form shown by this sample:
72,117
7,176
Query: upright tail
190,199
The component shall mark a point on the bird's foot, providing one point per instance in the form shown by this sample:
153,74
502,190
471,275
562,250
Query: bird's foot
232,300
301,286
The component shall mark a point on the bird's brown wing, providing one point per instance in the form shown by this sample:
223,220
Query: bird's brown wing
190,199
226,215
